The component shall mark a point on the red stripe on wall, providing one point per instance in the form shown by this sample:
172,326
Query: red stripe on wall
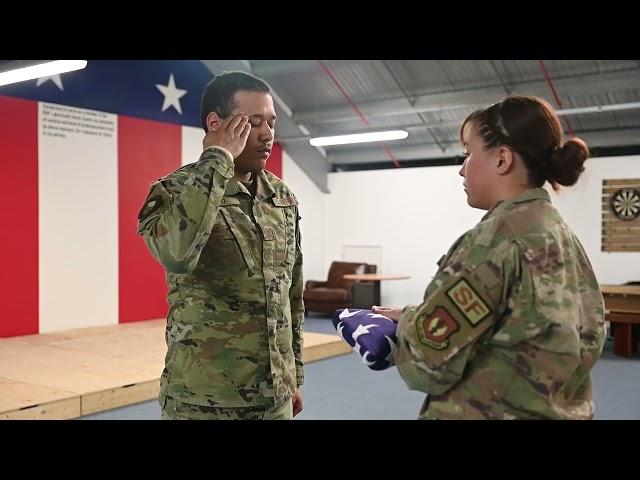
146,151
274,162
19,217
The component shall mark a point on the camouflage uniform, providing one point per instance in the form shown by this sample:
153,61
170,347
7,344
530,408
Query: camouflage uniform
234,271
175,410
511,324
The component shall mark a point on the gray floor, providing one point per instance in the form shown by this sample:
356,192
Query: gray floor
342,388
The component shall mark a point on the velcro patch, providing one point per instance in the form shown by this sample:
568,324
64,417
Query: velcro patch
152,204
268,232
227,201
435,329
469,302
285,201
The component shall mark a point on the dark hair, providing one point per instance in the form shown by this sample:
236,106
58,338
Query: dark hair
530,126
219,92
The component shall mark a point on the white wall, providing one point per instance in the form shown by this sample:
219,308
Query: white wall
311,205
414,214
581,206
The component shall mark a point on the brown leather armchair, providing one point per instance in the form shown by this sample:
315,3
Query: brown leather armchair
336,292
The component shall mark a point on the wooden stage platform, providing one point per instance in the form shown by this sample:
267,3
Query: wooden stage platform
78,372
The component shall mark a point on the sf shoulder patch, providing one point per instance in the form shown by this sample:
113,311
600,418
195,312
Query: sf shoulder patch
435,329
469,302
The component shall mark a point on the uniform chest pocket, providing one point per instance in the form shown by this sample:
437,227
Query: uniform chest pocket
242,238
286,213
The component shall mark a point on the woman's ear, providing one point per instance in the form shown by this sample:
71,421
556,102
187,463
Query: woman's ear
505,160
213,121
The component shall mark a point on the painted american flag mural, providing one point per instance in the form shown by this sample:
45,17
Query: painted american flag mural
78,153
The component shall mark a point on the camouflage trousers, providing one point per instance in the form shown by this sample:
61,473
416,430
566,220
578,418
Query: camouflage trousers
172,409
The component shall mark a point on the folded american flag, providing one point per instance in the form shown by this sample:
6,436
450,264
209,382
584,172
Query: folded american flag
371,335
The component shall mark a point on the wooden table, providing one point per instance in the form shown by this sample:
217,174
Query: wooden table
375,278
622,309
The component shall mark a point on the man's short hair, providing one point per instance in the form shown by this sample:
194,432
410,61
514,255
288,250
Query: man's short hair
219,92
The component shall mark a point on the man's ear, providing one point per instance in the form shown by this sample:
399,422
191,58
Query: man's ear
505,160
213,121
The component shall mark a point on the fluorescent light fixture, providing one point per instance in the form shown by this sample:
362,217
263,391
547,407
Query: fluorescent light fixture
41,70
359,138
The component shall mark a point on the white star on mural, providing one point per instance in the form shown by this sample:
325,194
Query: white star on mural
171,94
54,78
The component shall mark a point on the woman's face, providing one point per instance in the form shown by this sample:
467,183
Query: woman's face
477,170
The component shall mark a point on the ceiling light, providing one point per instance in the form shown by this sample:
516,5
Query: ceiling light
41,70
359,138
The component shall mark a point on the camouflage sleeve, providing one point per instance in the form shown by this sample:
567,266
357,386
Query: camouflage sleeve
180,210
437,338
297,305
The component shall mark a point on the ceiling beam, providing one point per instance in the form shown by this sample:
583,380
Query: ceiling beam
425,126
269,68
405,152
598,138
587,84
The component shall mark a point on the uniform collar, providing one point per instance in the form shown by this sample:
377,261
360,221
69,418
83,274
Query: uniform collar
264,189
529,195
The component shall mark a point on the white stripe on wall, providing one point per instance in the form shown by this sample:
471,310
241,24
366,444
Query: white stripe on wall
191,144
311,207
78,217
